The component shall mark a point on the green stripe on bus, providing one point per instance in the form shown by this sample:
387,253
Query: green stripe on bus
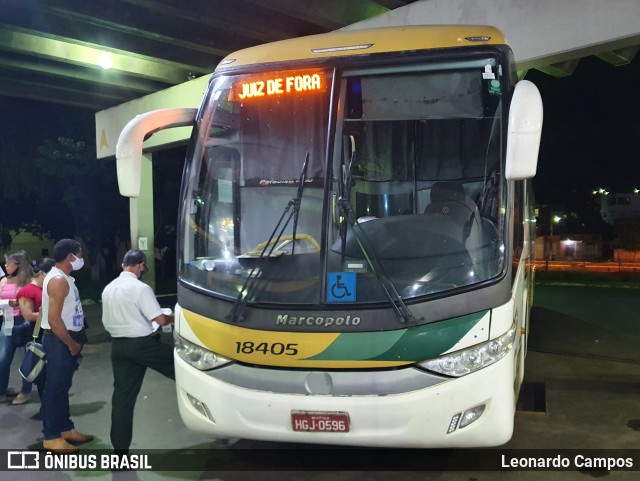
409,344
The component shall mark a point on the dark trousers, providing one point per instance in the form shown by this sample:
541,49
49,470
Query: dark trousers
61,366
130,358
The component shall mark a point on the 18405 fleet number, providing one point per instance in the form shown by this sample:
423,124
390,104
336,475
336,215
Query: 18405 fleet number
276,348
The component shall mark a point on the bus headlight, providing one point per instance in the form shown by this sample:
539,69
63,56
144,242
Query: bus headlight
466,361
197,356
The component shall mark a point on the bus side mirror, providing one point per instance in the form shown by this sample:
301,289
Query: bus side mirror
524,130
129,146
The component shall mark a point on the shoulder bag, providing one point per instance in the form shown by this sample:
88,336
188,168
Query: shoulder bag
35,357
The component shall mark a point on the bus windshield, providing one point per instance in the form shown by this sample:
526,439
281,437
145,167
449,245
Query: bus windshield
398,193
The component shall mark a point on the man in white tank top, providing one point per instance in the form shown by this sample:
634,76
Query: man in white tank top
63,338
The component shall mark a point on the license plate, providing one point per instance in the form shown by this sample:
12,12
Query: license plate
320,422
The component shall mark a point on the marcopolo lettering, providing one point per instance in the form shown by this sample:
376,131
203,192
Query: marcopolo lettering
316,321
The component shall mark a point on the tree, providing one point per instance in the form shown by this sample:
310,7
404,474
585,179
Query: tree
19,182
55,186
80,195
628,233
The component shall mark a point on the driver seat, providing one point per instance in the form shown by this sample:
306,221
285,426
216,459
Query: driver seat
449,201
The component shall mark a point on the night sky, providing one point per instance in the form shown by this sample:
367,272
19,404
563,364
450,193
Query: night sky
591,130
30,122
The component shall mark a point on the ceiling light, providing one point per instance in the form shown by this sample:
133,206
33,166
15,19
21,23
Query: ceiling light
105,61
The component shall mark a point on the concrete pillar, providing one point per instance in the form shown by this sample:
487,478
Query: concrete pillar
141,219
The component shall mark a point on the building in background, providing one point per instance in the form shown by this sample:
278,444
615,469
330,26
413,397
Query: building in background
619,206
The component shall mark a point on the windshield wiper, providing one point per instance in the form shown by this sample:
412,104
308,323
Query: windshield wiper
399,307
298,200
397,303
344,194
291,211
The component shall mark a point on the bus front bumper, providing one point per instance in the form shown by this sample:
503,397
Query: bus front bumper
419,418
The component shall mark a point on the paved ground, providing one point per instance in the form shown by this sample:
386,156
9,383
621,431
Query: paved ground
583,358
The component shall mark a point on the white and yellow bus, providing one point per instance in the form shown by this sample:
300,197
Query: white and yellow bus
355,240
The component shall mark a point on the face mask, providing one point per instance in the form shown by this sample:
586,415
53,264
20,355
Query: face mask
77,264
143,271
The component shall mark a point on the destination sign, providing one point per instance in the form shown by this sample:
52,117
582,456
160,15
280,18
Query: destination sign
284,85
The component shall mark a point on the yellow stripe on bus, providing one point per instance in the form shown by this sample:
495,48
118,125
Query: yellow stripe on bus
272,348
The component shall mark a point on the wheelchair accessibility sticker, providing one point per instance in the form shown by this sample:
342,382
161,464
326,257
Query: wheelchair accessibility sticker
341,287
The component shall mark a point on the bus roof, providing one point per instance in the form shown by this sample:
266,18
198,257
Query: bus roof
367,41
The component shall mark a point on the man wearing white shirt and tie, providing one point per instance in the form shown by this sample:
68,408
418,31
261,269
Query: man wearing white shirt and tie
131,314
